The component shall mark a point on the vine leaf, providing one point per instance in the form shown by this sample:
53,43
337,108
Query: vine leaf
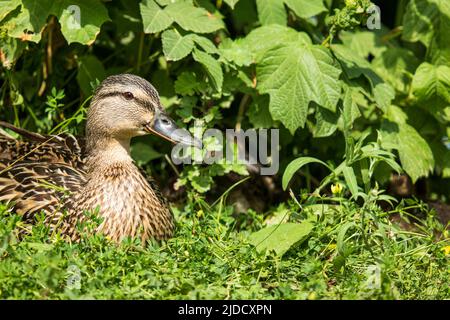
154,18
176,46
431,86
192,18
274,11
212,67
79,22
415,154
271,12
295,74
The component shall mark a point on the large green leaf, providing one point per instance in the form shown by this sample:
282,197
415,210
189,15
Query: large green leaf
176,46
396,65
154,18
6,7
280,238
295,74
356,66
251,49
80,21
212,67
431,86
415,154
306,8
193,18
363,43
274,12
428,21
296,165
271,12
326,122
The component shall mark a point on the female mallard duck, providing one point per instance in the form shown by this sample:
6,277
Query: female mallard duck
65,178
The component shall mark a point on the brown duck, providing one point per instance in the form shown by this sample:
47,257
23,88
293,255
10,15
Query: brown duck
65,178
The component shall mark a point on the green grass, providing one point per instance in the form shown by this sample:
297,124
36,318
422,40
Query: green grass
351,254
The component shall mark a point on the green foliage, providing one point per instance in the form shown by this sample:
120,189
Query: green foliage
210,259
365,102
281,237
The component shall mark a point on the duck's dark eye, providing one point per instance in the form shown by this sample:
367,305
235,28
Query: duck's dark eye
128,95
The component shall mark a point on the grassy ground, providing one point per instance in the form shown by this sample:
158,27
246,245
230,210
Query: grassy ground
353,252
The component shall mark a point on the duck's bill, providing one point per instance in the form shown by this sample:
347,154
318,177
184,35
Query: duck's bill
166,128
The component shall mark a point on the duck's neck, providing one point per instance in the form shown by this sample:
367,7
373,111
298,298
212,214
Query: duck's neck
107,151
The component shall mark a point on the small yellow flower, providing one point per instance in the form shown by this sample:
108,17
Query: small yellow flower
336,188
446,250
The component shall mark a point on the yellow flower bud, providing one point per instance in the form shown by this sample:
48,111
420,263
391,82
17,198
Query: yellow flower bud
446,250
336,188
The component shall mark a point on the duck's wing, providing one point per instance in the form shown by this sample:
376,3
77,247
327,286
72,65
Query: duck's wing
35,147
33,187
39,173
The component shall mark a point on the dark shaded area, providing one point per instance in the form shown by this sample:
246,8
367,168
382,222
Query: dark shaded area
388,11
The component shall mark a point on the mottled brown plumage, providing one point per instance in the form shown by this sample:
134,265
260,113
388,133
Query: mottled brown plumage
57,175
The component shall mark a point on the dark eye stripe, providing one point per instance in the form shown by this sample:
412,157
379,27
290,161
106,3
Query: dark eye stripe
145,103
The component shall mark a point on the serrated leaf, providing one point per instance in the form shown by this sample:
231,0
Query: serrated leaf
234,51
356,66
176,46
431,86
212,67
193,18
154,18
80,21
267,37
415,154
294,75
425,19
204,43
296,165
280,238
306,8
187,83
271,12
251,49
428,21
363,43
326,122
396,65
202,183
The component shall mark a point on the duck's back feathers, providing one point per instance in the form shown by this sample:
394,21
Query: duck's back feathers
61,148
38,172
